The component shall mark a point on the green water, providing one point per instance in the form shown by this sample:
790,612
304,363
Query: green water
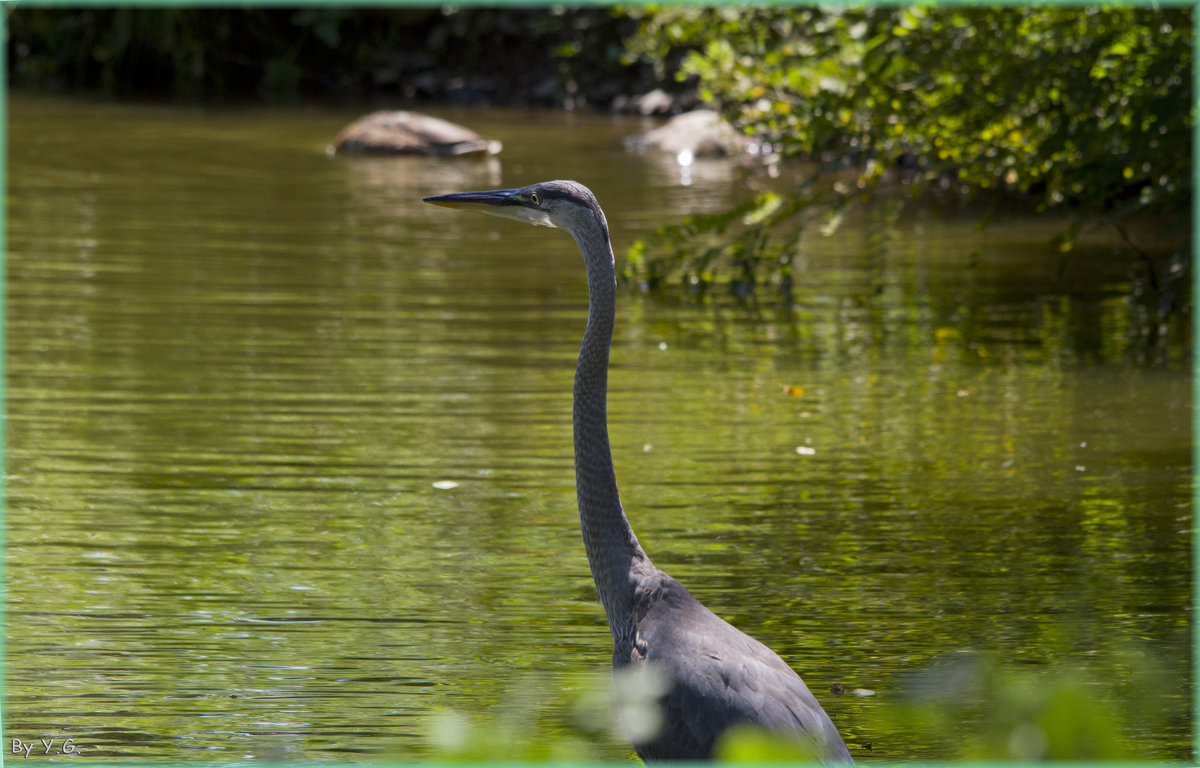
243,377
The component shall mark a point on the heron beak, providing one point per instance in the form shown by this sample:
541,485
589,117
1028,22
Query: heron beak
505,203
494,197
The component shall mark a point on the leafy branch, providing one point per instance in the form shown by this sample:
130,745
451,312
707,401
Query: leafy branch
1086,112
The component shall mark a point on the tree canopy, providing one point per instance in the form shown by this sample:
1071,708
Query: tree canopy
1086,111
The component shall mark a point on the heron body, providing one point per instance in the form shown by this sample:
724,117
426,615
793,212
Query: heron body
718,676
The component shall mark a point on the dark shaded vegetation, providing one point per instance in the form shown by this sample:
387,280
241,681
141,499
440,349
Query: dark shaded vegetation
549,57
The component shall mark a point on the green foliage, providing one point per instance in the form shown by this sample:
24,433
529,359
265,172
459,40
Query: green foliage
741,255
995,711
1086,111
510,55
527,725
745,744
559,719
987,710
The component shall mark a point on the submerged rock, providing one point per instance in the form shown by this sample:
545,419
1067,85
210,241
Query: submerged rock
410,133
701,133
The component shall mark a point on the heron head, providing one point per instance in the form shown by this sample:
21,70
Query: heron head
564,204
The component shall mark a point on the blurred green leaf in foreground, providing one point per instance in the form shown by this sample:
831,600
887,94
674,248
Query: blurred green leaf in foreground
970,706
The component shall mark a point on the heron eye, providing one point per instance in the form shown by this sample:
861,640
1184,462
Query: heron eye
535,198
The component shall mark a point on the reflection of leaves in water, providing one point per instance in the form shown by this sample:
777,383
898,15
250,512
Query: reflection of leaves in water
734,247
893,252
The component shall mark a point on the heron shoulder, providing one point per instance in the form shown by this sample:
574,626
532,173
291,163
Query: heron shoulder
720,677
670,616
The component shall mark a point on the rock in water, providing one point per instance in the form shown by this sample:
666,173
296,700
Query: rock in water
410,133
701,132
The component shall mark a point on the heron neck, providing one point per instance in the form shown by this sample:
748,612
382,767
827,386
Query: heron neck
612,548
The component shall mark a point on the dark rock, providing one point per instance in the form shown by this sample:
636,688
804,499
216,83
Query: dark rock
410,133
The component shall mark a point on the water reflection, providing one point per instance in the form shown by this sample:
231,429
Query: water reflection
384,185
239,369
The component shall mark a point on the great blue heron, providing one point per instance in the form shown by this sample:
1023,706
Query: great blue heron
719,677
